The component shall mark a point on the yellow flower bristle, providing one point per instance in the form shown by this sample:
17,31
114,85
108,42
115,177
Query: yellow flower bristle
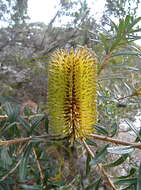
72,90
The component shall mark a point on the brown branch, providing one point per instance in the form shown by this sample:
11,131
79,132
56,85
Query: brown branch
25,117
26,139
39,167
95,136
103,171
116,141
16,166
88,148
11,171
105,62
129,96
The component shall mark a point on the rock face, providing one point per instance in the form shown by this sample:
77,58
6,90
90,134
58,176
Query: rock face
23,85
23,59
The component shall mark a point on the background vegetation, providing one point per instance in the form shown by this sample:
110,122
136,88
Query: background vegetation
30,157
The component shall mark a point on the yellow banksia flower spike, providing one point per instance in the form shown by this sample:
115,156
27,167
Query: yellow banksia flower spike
72,95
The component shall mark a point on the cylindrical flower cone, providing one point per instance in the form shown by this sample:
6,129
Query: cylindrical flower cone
72,87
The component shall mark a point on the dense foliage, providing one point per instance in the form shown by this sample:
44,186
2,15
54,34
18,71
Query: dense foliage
31,158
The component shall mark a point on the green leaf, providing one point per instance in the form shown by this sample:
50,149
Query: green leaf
101,130
130,187
114,129
135,21
129,181
114,25
37,140
138,138
131,125
121,28
118,161
11,111
91,142
125,67
99,156
132,172
88,164
36,122
31,187
11,125
4,186
24,162
24,123
5,158
139,178
105,42
127,19
126,52
120,149
46,124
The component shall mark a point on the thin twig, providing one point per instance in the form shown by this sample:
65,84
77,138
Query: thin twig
3,116
11,171
105,62
25,117
116,141
97,137
39,167
88,148
129,96
110,183
16,166
105,174
26,139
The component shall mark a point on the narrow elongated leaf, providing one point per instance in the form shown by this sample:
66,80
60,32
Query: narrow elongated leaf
125,67
99,156
130,187
11,111
139,136
4,186
10,126
126,52
136,30
24,123
91,142
139,178
5,158
121,28
88,164
118,161
114,129
24,162
101,130
36,122
37,140
135,22
132,172
131,125
23,168
105,42
120,149
129,181
31,187
46,124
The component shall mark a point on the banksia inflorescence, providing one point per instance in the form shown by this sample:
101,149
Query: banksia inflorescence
72,90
